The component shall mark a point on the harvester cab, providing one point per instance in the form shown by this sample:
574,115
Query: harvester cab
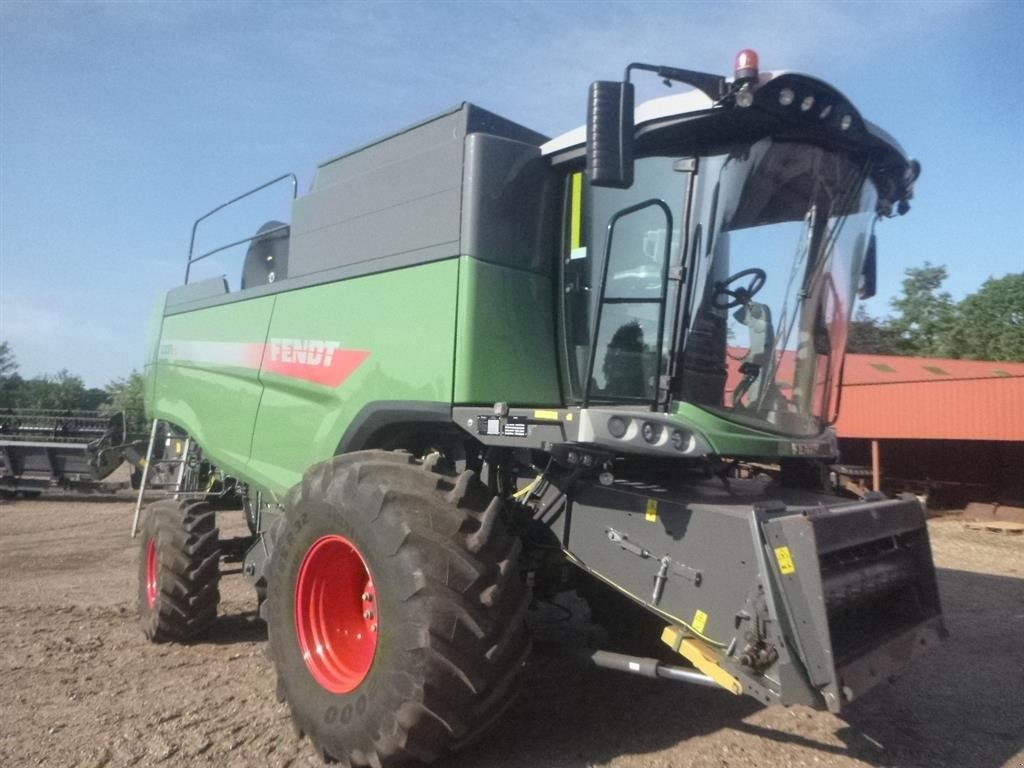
480,362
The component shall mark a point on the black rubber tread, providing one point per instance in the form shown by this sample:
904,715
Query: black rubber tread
451,605
188,578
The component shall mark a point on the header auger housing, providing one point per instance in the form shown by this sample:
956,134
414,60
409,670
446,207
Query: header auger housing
479,364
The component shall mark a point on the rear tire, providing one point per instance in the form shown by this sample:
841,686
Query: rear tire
179,570
431,567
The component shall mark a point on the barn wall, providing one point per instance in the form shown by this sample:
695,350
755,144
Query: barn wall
958,471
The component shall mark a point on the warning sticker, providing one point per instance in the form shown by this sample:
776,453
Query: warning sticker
651,515
785,559
700,619
513,426
515,429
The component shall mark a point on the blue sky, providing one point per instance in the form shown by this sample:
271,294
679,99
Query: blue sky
120,123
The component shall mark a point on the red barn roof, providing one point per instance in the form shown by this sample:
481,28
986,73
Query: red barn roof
931,398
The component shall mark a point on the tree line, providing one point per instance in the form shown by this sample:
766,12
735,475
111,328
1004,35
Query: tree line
65,391
987,325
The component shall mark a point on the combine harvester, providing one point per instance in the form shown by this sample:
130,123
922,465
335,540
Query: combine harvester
481,367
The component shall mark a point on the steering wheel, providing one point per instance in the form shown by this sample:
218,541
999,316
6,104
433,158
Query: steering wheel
726,298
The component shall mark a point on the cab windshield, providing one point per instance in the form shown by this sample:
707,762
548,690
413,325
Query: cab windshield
755,326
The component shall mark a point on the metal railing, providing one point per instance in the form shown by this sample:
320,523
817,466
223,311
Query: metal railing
192,242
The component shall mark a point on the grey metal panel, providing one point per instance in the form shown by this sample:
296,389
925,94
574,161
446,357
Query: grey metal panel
453,123
859,523
402,146
428,226
474,419
399,196
435,167
509,204
891,658
204,289
803,596
710,538
482,121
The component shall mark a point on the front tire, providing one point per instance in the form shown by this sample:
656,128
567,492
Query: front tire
395,608
179,570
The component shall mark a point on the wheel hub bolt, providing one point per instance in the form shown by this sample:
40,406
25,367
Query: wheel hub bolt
368,615
373,627
367,597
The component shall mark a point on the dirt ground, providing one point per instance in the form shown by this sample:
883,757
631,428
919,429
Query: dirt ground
79,686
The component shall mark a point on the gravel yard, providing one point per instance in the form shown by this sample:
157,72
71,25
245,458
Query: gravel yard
81,686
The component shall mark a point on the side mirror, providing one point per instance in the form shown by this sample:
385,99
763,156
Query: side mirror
610,134
869,272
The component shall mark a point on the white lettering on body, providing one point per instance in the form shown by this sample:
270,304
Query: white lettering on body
304,351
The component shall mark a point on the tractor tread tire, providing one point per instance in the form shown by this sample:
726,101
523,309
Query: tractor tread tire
188,574
453,640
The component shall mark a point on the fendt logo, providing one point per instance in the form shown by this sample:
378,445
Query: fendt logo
313,360
303,351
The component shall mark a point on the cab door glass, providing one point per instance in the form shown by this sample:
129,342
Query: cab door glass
627,354
630,320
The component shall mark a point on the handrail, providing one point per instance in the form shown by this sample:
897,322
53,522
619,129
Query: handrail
192,242
264,233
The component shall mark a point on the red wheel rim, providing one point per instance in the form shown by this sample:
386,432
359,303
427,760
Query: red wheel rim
152,566
336,614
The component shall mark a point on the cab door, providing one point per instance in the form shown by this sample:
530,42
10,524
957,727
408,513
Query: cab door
621,277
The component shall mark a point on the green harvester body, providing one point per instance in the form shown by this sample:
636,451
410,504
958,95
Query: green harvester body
470,287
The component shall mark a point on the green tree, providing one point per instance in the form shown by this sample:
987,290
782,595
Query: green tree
925,314
989,323
10,381
63,391
8,365
872,336
127,395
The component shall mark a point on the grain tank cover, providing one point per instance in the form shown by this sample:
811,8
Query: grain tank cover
394,203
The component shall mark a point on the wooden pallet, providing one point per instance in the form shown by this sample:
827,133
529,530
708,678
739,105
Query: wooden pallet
997,526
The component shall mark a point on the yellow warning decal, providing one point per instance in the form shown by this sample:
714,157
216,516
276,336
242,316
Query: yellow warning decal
576,217
651,516
785,559
700,619
568,417
546,415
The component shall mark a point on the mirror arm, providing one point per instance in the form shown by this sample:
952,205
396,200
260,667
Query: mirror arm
715,87
610,121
